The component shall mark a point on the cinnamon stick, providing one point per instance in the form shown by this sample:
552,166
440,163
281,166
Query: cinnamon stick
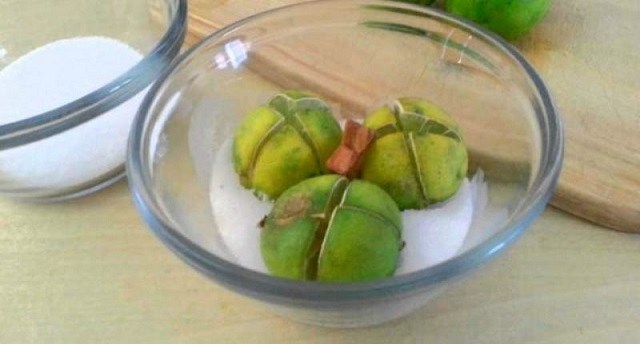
347,159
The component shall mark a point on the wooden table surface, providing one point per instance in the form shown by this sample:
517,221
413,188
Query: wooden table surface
89,271
588,54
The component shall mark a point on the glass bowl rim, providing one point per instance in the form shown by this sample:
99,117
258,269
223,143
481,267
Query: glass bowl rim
264,286
104,98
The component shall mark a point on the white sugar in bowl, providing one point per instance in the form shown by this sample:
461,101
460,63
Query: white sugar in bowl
70,88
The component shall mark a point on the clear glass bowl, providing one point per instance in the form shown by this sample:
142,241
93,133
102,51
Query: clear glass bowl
357,55
78,147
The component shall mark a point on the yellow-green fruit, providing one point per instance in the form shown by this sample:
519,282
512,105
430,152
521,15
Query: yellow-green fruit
332,230
284,142
418,156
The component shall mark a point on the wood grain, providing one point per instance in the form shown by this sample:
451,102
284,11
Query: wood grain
88,271
586,51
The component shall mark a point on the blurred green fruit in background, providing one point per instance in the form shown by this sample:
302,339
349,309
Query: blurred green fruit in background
508,18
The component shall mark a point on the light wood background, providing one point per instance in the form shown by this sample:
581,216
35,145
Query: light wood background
89,271
587,51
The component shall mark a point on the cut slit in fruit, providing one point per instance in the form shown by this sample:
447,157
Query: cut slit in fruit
335,198
289,109
239,238
245,179
343,207
414,122
297,124
417,172
317,212
413,155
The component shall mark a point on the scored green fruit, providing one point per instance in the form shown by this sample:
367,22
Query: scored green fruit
418,156
284,142
330,229
508,18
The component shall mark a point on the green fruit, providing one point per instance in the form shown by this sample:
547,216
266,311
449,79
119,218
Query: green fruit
418,156
332,230
284,142
508,18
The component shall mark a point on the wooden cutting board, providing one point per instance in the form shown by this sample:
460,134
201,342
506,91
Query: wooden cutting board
588,52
